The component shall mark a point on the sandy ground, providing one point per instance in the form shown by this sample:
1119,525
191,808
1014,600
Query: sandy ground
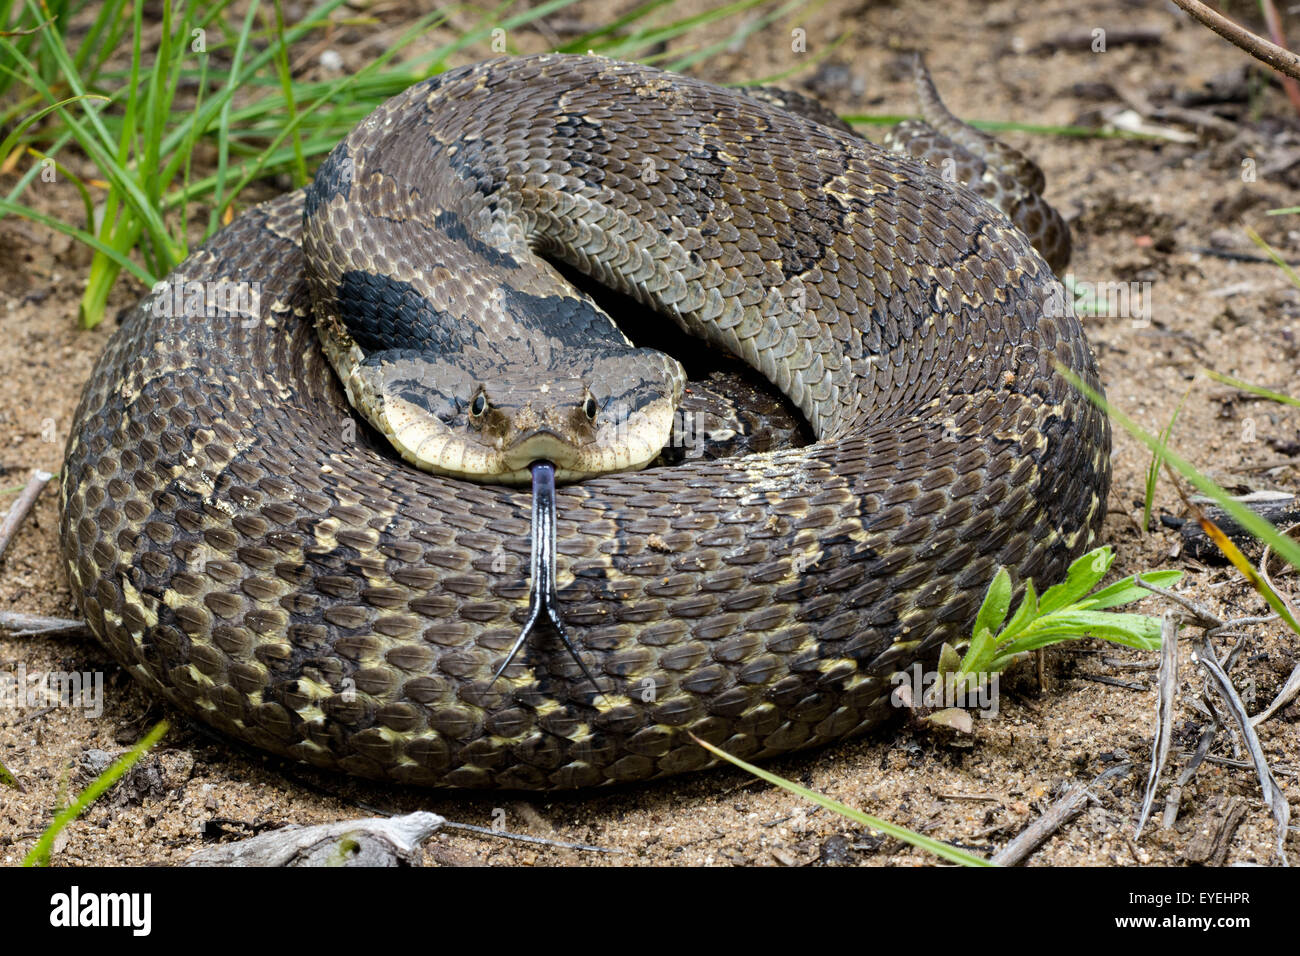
1140,210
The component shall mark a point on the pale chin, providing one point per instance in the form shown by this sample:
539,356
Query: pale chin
438,450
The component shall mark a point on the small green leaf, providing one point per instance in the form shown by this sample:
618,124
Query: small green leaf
981,651
1131,630
1126,592
8,779
1027,611
949,661
994,609
1079,580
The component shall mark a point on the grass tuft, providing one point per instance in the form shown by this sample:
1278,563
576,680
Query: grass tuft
222,86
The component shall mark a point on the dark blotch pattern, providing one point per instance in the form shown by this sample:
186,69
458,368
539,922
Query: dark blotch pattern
333,178
573,323
453,228
383,313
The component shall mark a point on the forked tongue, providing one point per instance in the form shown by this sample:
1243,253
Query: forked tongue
543,600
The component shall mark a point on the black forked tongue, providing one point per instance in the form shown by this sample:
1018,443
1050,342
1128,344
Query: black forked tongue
543,601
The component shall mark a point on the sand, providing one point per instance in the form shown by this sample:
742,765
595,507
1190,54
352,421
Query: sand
1140,210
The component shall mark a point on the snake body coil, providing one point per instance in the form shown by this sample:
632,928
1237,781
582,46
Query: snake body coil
254,554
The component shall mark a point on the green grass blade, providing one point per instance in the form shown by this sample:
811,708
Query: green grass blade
993,126
1285,546
1157,459
950,853
805,63
87,203
40,853
1244,386
333,91
589,40
744,30
219,107
643,40
286,84
1272,253
12,139
489,22
18,209
109,13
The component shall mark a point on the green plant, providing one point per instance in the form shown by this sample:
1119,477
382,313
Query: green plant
40,853
226,83
1157,461
7,778
1064,612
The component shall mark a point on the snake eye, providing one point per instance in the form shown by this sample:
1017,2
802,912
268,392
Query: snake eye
479,405
589,408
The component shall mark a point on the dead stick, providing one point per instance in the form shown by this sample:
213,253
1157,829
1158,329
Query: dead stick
526,838
1168,685
18,512
1284,61
1277,36
28,625
1274,797
1057,815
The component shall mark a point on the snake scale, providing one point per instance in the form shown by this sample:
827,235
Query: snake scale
254,553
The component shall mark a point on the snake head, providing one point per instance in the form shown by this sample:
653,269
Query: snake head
444,415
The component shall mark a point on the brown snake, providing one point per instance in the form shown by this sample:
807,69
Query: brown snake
251,551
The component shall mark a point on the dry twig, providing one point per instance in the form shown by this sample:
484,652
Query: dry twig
1167,681
1058,814
526,838
1282,60
1274,798
29,625
22,506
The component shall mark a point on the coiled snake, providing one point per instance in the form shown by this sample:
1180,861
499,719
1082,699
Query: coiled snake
253,552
